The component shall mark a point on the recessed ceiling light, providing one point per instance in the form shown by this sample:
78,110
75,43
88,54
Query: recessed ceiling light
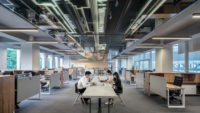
171,38
131,39
19,30
149,47
38,42
196,15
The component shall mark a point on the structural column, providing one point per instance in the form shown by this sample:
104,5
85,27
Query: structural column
186,56
30,56
3,58
164,59
66,61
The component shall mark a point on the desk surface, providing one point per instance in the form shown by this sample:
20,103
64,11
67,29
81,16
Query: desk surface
99,92
171,86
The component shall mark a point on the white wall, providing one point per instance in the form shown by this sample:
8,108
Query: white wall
164,59
3,58
30,57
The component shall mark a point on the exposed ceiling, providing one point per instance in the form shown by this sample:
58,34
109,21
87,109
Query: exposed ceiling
87,27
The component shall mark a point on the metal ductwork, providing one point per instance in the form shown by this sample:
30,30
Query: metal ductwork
181,25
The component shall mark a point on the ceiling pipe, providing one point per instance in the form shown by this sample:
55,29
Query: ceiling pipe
181,24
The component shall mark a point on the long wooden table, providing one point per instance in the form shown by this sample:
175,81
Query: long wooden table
103,91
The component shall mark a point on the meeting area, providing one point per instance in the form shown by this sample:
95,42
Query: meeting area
99,56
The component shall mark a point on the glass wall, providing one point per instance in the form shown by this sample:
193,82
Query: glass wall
178,59
50,64
145,61
61,62
56,62
42,61
194,61
11,59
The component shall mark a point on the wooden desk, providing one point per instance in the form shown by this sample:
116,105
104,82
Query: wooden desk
174,87
7,92
100,92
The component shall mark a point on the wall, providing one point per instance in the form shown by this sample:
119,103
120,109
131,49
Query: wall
164,59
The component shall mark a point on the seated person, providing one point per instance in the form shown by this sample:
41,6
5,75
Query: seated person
83,83
110,77
117,84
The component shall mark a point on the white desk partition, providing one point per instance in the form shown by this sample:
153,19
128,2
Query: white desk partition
55,80
139,79
66,76
158,85
27,87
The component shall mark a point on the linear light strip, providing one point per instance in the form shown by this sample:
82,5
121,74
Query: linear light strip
139,15
196,15
149,47
147,17
171,38
19,30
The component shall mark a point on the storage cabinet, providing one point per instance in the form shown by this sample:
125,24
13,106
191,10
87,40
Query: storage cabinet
7,91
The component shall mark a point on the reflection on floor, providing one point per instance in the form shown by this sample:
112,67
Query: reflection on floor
61,101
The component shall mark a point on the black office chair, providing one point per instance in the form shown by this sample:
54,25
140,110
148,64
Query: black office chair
79,94
178,81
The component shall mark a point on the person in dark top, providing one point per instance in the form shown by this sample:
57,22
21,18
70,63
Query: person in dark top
117,86
117,83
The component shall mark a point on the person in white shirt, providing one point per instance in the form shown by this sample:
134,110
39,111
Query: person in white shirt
83,83
110,77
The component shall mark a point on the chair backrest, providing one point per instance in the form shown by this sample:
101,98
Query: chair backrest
76,88
178,81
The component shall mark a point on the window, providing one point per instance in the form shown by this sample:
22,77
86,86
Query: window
42,61
56,62
50,62
194,61
11,59
178,59
145,61
61,62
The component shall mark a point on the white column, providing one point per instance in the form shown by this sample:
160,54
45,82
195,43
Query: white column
66,61
18,59
187,56
30,57
3,58
164,59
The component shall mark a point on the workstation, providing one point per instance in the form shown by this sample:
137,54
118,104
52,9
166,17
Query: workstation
85,56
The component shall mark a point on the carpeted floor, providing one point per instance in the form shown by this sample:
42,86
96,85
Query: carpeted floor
61,101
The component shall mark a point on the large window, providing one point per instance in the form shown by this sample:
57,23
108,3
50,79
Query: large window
42,61
178,59
50,62
61,62
194,61
145,61
11,59
56,62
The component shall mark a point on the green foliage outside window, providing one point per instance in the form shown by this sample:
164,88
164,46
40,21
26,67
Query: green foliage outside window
40,62
11,59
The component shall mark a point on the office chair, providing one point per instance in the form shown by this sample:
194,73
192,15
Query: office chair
79,94
119,92
178,81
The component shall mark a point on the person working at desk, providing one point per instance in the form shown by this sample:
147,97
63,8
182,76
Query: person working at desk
110,77
83,83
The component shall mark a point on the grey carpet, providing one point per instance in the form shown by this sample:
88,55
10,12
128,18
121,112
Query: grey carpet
61,101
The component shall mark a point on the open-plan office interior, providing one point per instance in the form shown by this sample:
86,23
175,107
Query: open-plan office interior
105,56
